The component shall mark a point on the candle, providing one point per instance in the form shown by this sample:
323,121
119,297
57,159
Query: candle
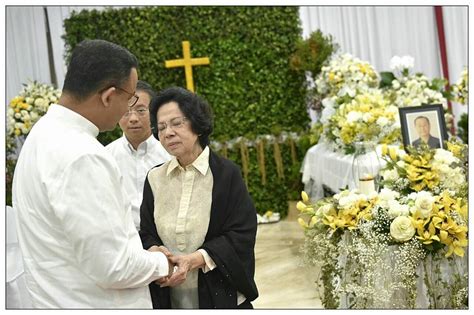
366,185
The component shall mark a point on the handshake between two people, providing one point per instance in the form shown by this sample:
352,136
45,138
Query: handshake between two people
179,266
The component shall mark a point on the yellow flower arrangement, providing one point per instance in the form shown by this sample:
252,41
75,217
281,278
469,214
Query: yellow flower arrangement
423,168
25,109
446,224
344,210
460,89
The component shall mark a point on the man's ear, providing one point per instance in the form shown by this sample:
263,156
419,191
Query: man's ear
106,96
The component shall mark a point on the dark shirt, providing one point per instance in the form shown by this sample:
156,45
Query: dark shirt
433,142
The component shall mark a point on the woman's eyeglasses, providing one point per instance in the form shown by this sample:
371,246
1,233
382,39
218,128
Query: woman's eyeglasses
174,124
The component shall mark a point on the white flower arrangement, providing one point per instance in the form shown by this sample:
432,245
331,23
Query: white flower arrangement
345,75
366,117
414,89
26,109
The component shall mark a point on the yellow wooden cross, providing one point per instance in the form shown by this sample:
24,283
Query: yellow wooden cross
187,62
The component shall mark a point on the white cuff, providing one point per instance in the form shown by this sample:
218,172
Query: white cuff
210,264
162,268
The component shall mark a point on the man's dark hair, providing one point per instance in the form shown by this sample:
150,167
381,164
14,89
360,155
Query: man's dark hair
96,65
146,87
194,108
422,117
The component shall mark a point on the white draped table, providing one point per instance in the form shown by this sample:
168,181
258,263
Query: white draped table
321,166
442,274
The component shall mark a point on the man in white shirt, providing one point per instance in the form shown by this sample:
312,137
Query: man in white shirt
75,228
137,151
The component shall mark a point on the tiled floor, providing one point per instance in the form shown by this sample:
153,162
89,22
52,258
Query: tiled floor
282,279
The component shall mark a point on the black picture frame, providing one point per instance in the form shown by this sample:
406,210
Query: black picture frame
435,115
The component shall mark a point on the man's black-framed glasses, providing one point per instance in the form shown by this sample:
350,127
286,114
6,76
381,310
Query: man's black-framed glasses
132,100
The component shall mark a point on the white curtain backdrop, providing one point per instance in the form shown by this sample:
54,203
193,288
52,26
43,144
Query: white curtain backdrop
370,33
26,45
376,34
27,53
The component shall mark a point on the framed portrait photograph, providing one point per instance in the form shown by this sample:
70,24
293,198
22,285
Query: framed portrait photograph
423,124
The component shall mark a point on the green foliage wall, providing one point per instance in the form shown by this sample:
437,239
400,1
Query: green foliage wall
249,83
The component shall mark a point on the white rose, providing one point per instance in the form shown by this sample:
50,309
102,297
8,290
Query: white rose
402,229
29,100
395,209
17,115
424,203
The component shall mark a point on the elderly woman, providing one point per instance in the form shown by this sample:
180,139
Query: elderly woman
197,210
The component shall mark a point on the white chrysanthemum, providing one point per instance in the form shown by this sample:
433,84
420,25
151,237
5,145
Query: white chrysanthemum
382,121
347,201
445,157
39,101
346,90
385,195
354,116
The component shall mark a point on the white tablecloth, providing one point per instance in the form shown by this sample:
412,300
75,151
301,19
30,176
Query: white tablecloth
321,166
16,292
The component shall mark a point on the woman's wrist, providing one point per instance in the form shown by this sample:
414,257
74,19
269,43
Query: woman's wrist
197,260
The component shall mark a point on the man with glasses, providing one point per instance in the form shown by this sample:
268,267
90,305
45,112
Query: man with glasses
75,229
137,151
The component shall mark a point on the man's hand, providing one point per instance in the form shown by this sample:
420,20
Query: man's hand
161,248
171,265
185,263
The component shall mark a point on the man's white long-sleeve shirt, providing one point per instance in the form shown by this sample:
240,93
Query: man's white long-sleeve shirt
134,165
75,228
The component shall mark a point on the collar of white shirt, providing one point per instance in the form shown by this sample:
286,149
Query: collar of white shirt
201,163
73,119
142,147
